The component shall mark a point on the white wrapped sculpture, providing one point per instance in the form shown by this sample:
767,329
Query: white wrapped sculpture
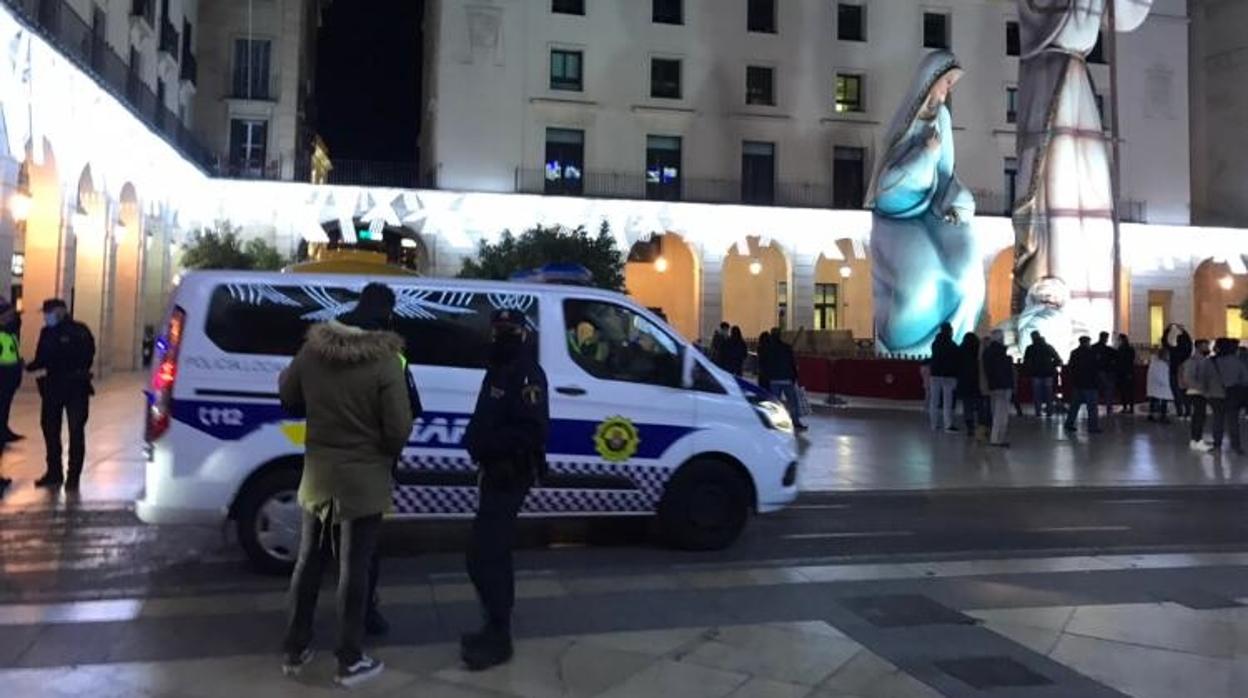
1063,222
926,267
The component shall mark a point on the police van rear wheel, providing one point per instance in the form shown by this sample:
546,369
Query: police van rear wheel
705,506
270,521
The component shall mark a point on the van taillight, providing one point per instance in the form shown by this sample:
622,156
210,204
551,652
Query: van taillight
159,411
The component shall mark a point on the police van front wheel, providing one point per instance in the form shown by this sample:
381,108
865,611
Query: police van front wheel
269,521
705,506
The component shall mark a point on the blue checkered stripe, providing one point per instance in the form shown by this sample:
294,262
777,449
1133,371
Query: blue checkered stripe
412,500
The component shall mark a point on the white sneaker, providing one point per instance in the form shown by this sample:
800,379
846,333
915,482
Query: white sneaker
293,664
362,670
1198,445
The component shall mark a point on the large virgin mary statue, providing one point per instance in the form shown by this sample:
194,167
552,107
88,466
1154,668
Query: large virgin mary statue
926,268
1063,221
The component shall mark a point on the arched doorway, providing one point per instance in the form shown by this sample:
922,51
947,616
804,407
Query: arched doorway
757,288
40,241
88,250
1218,295
843,285
1000,287
662,274
126,238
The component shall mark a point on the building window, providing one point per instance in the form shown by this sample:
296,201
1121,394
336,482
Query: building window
762,16
849,93
565,161
851,22
1235,323
248,145
1097,54
1156,323
251,68
565,70
758,172
669,11
664,78
141,8
825,306
1011,105
848,177
782,303
760,85
1013,45
663,168
1011,185
935,30
568,7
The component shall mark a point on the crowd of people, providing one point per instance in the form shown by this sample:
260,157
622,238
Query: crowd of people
1205,381
776,364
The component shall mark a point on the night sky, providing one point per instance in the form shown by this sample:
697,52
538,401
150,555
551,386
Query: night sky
368,80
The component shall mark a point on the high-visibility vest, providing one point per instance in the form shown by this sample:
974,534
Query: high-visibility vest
8,349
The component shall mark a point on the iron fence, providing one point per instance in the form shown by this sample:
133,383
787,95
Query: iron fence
57,22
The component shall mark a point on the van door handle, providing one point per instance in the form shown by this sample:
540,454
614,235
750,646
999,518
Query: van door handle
570,390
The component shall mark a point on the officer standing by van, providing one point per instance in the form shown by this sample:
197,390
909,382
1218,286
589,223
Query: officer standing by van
65,354
506,438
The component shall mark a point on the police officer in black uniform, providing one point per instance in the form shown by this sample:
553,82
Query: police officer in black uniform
507,440
65,353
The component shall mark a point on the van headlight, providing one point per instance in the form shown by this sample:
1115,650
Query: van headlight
773,415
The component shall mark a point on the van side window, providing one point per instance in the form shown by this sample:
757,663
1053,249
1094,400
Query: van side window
446,328
612,342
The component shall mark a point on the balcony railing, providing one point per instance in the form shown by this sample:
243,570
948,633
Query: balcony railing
57,22
627,185
995,203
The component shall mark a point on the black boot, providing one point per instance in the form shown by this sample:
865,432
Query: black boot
488,648
50,479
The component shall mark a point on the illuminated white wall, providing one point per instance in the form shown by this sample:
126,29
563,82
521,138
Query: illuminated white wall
488,101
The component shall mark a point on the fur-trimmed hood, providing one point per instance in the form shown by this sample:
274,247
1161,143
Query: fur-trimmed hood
338,343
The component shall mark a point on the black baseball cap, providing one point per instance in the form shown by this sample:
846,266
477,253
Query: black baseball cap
54,304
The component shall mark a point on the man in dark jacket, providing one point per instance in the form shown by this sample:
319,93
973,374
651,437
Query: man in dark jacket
999,373
1106,358
349,379
65,354
783,372
1040,363
506,438
1085,381
944,379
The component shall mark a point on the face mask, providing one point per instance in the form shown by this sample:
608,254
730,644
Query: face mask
51,319
506,347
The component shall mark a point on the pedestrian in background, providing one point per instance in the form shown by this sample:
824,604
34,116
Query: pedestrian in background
999,371
10,369
1178,345
1224,381
735,351
1105,361
1159,391
349,379
969,389
64,356
718,340
783,373
944,381
1124,373
1084,379
506,438
764,361
1040,363
1189,381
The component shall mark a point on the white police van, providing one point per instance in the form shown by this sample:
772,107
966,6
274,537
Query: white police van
642,423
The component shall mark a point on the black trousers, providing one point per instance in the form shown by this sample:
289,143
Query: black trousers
10,381
1200,407
71,403
357,542
490,563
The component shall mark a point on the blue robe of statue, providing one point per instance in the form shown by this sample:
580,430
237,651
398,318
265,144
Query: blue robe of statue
926,267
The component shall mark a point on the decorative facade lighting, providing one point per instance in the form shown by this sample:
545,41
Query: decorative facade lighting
756,267
846,271
1227,282
660,265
